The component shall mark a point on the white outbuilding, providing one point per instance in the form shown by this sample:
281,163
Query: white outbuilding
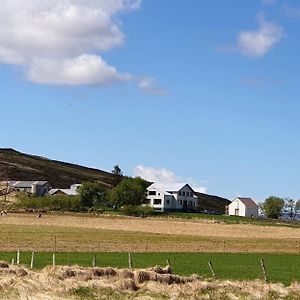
243,207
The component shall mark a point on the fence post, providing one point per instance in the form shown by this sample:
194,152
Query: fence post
13,261
53,260
129,261
211,269
18,257
264,270
94,263
32,258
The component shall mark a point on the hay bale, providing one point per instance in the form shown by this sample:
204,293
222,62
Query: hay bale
167,270
128,284
157,269
110,272
160,270
143,276
165,279
153,276
127,274
69,273
21,272
4,265
178,279
98,272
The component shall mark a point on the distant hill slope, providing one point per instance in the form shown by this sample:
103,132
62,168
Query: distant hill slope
15,165
212,203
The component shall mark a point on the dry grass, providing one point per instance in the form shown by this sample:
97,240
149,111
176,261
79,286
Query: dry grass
122,234
84,283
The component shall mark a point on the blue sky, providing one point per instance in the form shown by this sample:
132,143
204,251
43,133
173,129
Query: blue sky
198,91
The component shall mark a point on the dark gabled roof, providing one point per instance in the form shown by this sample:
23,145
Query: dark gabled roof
247,201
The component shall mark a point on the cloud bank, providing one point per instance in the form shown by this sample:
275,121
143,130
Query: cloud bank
165,177
59,41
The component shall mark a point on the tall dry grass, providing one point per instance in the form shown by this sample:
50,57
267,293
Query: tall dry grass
63,282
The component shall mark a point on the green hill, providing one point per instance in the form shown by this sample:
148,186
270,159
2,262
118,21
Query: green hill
212,203
15,165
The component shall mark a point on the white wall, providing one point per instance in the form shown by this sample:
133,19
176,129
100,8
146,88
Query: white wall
237,204
172,202
243,210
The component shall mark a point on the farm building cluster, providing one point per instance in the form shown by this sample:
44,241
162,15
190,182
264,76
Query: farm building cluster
39,188
162,197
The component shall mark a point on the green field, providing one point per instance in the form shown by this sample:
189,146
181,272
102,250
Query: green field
280,267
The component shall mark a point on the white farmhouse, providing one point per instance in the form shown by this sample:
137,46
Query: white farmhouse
175,197
244,207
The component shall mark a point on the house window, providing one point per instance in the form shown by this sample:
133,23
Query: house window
157,201
183,193
180,202
179,193
152,192
168,201
191,194
147,201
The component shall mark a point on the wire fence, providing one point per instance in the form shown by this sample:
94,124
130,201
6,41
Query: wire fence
267,267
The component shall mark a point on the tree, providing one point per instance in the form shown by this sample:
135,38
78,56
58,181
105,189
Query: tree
130,191
273,207
118,175
290,208
117,171
92,194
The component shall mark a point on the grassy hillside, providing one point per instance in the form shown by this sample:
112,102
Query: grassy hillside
212,203
15,165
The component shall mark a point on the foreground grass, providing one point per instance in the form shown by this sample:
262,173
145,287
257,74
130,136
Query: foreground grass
280,267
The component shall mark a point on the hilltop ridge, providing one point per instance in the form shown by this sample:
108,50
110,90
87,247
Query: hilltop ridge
15,165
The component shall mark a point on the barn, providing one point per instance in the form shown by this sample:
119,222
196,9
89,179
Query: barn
243,207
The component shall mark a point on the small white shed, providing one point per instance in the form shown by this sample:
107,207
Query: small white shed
243,207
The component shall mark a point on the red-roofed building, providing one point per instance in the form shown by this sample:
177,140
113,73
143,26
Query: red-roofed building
243,207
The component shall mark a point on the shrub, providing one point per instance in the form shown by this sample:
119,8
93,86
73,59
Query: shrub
137,211
54,203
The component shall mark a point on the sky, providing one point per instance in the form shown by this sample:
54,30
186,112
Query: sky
203,92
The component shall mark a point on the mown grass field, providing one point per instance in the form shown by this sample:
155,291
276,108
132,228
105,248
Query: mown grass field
281,267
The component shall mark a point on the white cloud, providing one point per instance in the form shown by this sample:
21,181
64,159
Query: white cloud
85,69
59,41
165,177
258,43
150,86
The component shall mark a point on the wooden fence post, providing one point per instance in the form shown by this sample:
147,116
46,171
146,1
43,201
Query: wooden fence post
53,260
264,270
18,257
94,263
13,261
32,258
129,261
211,269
